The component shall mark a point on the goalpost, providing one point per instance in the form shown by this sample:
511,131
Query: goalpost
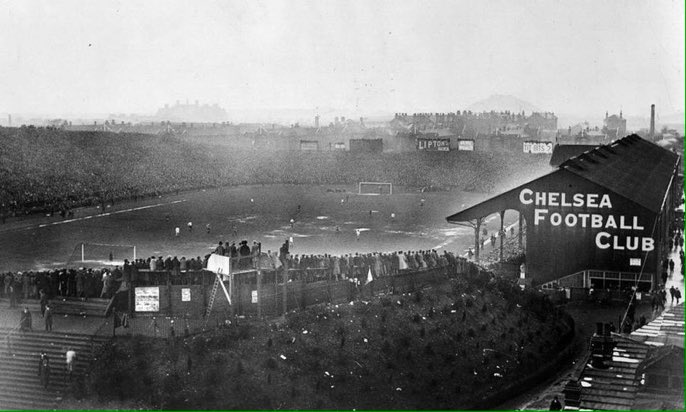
103,254
375,188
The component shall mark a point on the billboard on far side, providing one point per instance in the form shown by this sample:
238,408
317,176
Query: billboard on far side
433,144
465,145
536,147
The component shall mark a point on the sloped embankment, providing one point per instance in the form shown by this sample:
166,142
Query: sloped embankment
447,347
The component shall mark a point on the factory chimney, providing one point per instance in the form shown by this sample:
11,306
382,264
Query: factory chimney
316,121
652,121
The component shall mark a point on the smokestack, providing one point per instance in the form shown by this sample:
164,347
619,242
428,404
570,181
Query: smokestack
652,120
9,120
316,121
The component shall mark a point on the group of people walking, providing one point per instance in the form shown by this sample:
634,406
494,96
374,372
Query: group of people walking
45,367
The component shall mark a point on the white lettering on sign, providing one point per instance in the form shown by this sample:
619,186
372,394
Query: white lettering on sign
465,145
147,299
635,262
536,147
591,200
434,144
254,297
603,240
185,294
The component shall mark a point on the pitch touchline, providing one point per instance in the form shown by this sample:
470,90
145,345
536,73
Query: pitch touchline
109,213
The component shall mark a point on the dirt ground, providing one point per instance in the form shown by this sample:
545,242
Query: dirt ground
325,221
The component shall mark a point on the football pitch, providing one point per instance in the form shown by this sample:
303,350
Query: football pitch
326,219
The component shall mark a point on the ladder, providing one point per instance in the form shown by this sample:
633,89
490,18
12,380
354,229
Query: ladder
213,295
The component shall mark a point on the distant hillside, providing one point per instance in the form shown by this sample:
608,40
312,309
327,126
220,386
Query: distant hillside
501,103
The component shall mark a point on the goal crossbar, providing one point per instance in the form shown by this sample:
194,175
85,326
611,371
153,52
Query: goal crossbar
130,249
376,185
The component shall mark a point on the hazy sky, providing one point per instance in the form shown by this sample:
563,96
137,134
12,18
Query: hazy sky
579,57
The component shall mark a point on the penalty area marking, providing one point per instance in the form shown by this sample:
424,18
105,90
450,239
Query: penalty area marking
61,222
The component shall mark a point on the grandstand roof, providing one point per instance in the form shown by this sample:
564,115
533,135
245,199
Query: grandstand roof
631,167
562,152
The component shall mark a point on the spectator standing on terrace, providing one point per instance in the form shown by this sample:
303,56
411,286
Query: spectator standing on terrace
26,283
8,281
177,231
25,320
70,357
175,269
44,369
219,250
555,405
244,253
80,283
48,319
12,295
283,252
190,226
207,228
105,283
43,301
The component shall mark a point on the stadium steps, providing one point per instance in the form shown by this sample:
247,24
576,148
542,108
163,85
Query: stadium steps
79,307
19,378
32,304
65,306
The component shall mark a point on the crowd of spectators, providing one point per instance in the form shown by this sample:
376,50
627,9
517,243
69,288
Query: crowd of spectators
51,171
359,266
81,282
103,283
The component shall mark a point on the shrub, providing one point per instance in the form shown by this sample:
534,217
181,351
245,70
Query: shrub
428,350
271,363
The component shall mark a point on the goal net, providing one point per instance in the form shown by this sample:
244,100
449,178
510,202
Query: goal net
375,188
101,254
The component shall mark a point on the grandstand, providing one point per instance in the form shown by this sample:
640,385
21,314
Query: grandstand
49,171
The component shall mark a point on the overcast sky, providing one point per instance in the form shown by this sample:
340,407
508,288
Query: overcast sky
577,57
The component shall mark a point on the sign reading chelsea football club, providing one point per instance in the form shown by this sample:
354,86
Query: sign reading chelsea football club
602,222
